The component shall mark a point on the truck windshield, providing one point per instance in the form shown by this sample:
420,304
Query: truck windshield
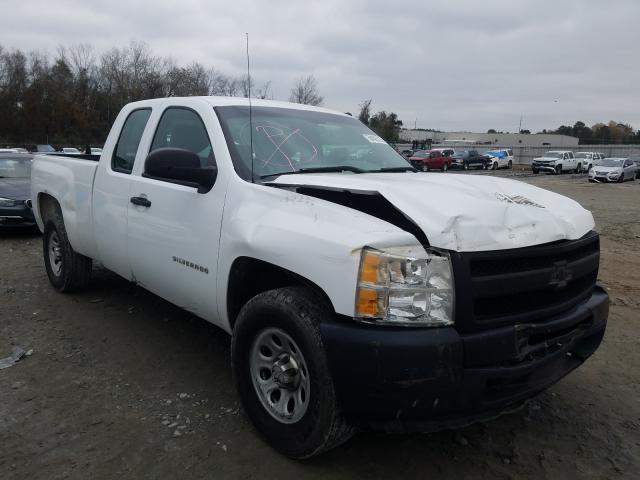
553,155
288,140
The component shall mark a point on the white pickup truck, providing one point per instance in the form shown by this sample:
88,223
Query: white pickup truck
358,292
557,161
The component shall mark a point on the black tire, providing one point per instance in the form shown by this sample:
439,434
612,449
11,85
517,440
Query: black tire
72,271
558,169
621,178
510,166
425,168
298,312
465,166
484,166
535,171
578,169
494,166
445,167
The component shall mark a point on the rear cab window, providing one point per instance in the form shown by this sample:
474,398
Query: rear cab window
125,152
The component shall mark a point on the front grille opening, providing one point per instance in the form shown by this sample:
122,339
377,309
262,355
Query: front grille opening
531,301
498,266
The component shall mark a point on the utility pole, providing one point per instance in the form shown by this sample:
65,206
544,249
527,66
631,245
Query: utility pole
520,127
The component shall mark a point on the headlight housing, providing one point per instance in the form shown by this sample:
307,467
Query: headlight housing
7,202
405,286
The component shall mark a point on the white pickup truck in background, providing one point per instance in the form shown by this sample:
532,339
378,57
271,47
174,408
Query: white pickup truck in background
359,293
557,161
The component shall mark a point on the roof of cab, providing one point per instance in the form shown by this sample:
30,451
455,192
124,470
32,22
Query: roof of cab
234,101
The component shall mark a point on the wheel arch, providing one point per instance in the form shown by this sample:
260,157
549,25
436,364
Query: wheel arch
250,276
47,206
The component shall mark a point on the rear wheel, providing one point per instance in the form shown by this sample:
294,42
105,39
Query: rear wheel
67,270
282,373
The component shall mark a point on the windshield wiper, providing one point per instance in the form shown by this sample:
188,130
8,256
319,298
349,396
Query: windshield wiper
408,168
335,168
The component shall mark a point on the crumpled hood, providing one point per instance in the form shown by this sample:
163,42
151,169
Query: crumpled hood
15,188
546,159
468,212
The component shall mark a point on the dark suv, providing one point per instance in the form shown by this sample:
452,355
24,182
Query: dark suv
467,159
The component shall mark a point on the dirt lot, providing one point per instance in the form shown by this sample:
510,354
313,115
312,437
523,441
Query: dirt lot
123,384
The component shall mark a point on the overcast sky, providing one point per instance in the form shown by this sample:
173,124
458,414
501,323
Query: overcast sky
454,65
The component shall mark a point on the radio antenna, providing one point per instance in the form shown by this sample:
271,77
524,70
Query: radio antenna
250,115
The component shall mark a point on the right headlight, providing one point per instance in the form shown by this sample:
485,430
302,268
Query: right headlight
405,286
7,202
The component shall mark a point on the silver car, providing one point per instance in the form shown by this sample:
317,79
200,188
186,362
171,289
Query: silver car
613,170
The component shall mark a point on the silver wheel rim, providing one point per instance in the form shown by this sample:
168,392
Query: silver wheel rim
55,254
280,375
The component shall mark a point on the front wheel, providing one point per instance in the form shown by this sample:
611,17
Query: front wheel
484,166
445,167
494,166
510,166
535,171
465,166
67,270
282,373
558,169
578,169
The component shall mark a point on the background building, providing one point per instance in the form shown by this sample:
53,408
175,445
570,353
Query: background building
503,139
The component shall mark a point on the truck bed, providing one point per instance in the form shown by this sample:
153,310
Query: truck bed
69,179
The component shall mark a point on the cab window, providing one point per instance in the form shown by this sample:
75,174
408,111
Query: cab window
125,152
183,128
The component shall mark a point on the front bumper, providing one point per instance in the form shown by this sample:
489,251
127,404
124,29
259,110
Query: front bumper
19,215
408,379
544,167
604,178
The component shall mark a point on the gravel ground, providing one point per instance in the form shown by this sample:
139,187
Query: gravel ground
123,384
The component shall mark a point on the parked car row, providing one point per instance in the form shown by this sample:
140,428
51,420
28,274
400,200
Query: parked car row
446,158
600,168
45,148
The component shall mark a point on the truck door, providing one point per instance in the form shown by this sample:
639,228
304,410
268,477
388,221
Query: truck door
111,192
173,235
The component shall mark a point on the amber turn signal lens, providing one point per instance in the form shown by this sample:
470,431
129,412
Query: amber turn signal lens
369,268
367,303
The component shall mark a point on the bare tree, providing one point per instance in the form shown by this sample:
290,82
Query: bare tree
305,91
365,111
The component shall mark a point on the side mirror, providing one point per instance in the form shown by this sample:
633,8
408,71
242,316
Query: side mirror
181,166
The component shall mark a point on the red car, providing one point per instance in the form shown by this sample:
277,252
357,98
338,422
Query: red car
426,160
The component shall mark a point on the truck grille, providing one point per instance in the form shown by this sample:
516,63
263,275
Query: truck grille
523,285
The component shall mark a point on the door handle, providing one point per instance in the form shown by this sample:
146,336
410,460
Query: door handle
140,201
